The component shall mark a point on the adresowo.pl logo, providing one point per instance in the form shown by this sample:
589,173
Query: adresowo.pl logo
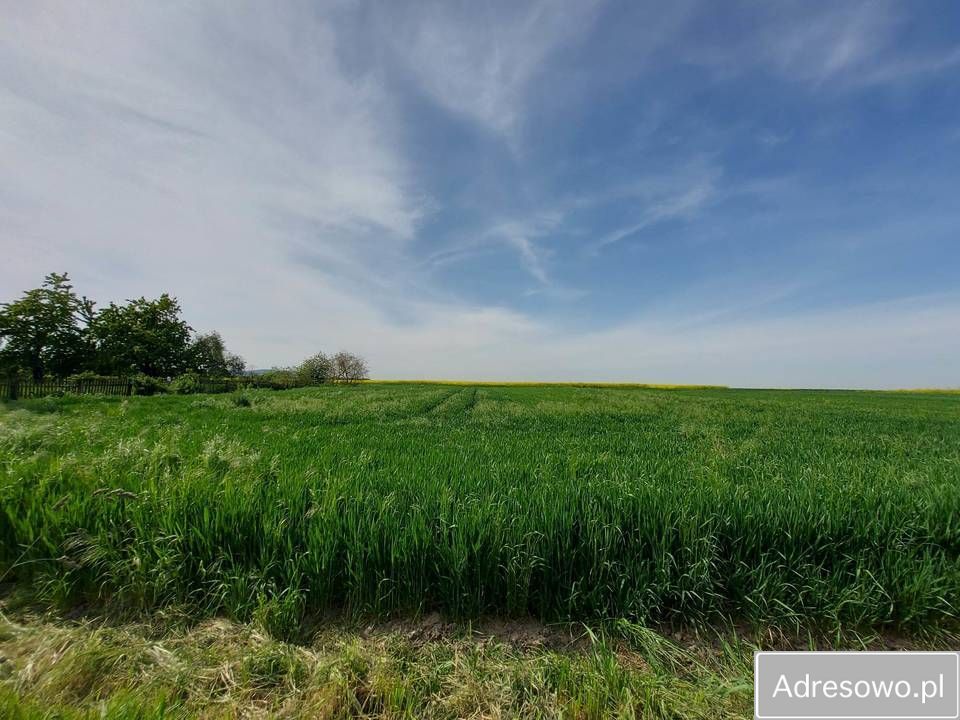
861,685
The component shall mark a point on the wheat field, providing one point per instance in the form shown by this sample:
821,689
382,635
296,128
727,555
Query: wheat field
794,509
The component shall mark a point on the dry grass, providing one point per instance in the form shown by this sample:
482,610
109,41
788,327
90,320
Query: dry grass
219,669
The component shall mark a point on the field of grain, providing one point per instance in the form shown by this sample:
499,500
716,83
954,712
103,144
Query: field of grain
789,509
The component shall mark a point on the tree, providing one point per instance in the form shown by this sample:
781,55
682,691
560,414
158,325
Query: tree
142,336
235,364
358,369
209,356
348,367
45,331
315,370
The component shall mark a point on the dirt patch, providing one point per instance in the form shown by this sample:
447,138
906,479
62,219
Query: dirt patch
522,633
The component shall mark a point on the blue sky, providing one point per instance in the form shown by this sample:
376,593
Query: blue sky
756,194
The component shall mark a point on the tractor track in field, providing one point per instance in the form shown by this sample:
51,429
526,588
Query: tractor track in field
456,404
448,406
431,407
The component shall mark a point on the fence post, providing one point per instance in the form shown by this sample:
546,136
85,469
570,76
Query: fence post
129,387
13,389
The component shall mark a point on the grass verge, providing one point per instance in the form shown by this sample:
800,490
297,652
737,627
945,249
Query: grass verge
218,669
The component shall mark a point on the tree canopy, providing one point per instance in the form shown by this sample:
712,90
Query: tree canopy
142,336
208,356
51,330
45,331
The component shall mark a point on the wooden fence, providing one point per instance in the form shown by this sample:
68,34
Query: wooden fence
23,389
26,389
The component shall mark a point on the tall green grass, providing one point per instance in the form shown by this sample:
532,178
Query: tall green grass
793,508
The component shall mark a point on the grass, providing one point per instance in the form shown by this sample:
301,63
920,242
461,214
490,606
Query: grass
218,669
497,383
792,509
208,539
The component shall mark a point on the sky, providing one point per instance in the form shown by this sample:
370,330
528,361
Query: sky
749,194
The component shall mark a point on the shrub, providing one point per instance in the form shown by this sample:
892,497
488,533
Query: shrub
315,370
79,378
146,385
277,379
186,384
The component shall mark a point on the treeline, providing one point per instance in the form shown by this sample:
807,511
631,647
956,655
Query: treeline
52,332
317,369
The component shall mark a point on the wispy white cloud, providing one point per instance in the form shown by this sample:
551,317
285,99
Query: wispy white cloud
522,235
255,160
668,208
771,139
658,198
840,46
479,64
193,149
830,42
899,69
671,196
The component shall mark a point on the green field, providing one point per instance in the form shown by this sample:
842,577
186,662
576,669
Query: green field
796,510
587,551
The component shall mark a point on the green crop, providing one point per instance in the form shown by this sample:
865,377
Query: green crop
799,509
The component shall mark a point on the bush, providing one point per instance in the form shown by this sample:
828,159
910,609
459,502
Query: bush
146,385
315,370
78,378
186,384
276,379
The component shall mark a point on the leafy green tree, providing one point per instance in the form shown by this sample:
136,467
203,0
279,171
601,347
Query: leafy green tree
209,356
315,370
45,331
236,365
142,336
